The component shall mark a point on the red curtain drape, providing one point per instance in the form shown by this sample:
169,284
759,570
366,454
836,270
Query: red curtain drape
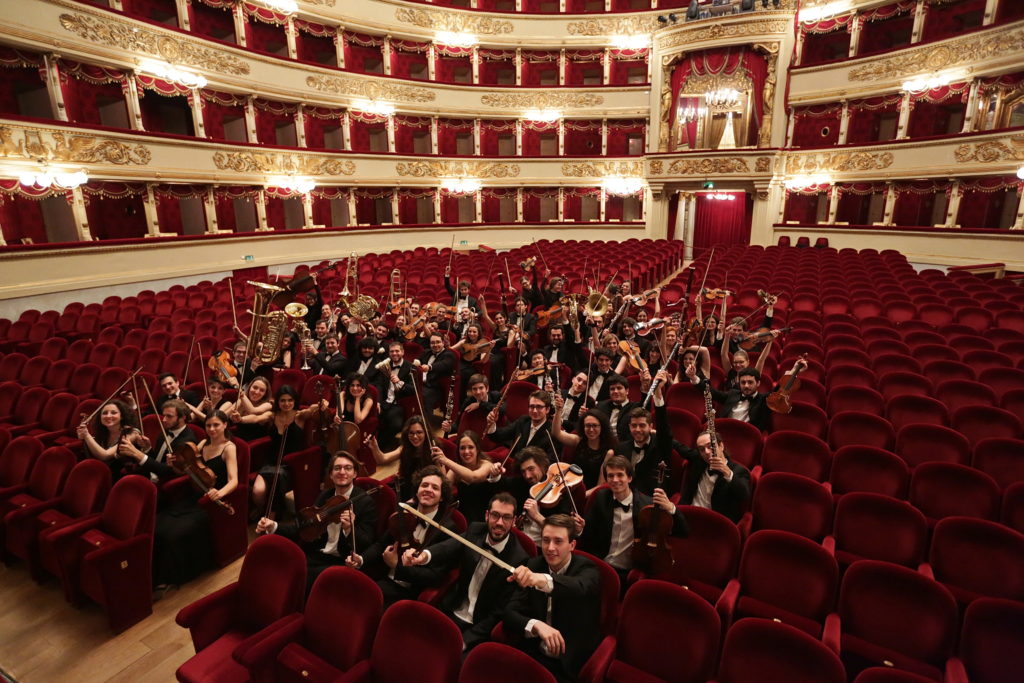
538,63
317,120
315,42
360,126
721,222
168,204
887,27
322,198
86,88
494,65
802,205
619,134
16,79
584,65
362,52
405,128
265,30
533,132
625,62
983,200
212,22
492,198
866,116
269,116
154,10
409,59
224,199
573,202
855,201
583,138
1009,10
531,201
915,201
218,107
817,125
931,111
490,131
447,130
948,18
826,40
407,203
115,210
21,215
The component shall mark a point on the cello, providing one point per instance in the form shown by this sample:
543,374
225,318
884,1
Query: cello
653,527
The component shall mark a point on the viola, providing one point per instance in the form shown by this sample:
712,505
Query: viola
631,350
188,462
548,315
222,365
753,341
312,521
779,400
473,351
654,525
645,328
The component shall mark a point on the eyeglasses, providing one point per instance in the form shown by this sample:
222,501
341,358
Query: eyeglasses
504,518
344,468
537,407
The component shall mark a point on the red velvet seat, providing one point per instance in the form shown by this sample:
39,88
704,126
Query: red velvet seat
429,642
992,641
10,392
34,371
901,383
804,417
59,375
869,526
82,382
56,415
957,393
706,560
975,558
497,663
16,463
850,397
10,366
809,391
976,423
855,428
1002,380
109,380
665,633
941,370
909,409
782,576
45,482
270,586
85,492
926,353
894,615
26,414
885,674
108,557
850,375
885,363
790,502
742,439
796,452
918,443
102,354
769,652
296,379
1000,458
845,355
301,647
942,489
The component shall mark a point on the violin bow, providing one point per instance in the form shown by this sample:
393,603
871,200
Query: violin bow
138,406
423,414
111,397
167,439
561,471
188,363
231,290
511,450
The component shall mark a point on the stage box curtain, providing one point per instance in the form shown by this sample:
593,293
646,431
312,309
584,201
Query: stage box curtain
531,202
218,107
21,215
152,113
362,52
826,40
619,133
583,138
14,80
264,30
405,128
409,59
535,64
322,198
983,201
270,115
866,116
802,205
491,202
581,63
315,42
885,28
407,200
915,201
490,130
1009,11
855,201
214,22
447,130
572,208
317,120
154,10
168,206
930,111
361,124
115,210
494,64
86,86
533,131
817,125
720,222
948,18
366,205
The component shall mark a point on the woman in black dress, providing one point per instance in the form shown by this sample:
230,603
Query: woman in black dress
283,423
412,454
101,439
593,441
183,542
473,474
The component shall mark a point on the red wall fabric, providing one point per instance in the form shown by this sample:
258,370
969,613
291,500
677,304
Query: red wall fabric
721,222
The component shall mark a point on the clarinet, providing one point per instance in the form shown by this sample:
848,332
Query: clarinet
709,410
657,382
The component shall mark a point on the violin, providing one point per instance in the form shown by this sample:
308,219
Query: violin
768,299
654,526
560,478
631,350
643,297
312,521
472,352
300,284
548,315
753,341
402,525
779,400
221,364
520,375
645,328
716,294
188,462
528,264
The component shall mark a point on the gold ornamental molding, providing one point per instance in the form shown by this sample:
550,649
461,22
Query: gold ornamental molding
839,162
720,166
959,52
717,31
45,145
256,162
456,169
452,21
138,39
325,3
990,152
542,100
613,26
372,89
589,169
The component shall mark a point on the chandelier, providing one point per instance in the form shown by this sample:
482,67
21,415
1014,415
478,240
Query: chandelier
723,98
690,114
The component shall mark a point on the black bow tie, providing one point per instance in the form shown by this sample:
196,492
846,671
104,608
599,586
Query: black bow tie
618,405
623,506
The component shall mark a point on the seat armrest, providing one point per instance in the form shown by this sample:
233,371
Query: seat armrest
829,544
926,569
596,668
955,671
831,634
726,603
208,618
360,673
258,652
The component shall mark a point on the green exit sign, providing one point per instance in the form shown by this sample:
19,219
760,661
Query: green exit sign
463,242
248,257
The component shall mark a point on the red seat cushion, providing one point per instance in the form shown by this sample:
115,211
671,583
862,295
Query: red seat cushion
213,664
296,663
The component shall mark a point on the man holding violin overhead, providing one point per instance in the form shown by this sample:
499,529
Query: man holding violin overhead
645,448
477,600
406,532
613,520
564,347
555,614
526,430
328,360
746,404
336,540
157,462
463,299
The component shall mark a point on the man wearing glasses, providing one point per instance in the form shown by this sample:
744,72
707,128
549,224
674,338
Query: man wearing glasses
526,430
477,600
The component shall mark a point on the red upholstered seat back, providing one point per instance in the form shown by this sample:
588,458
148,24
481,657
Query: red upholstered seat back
86,489
992,643
979,556
790,572
17,459
877,527
130,508
416,642
791,502
610,591
272,582
497,663
50,472
763,650
340,590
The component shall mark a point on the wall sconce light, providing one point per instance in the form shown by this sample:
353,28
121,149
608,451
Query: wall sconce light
630,42
374,107
542,114
292,183
46,178
622,185
286,6
455,39
460,185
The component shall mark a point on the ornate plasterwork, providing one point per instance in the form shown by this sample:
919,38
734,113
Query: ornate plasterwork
962,51
703,167
542,100
258,162
325,3
453,21
715,31
657,167
839,162
601,169
136,39
992,151
456,169
763,165
613,26
42,145
369,88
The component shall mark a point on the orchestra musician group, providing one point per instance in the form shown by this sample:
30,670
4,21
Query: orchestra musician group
560,439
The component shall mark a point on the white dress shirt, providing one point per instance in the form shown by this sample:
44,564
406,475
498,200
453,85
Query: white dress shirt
622,535
483,565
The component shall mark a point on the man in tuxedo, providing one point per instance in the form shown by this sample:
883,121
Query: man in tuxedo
335,544
526,430
385,555
477,600
714,481
556,609
523,319
362,357
437,364
328,360
158,463
746,404
612,522
576,401
463,300
533,469
645,448
564,347
479,398
618,406
599,376
394,383
171,387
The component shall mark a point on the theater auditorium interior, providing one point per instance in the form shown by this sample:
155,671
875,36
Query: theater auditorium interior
512,340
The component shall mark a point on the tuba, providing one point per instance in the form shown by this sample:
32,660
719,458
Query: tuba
269,327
